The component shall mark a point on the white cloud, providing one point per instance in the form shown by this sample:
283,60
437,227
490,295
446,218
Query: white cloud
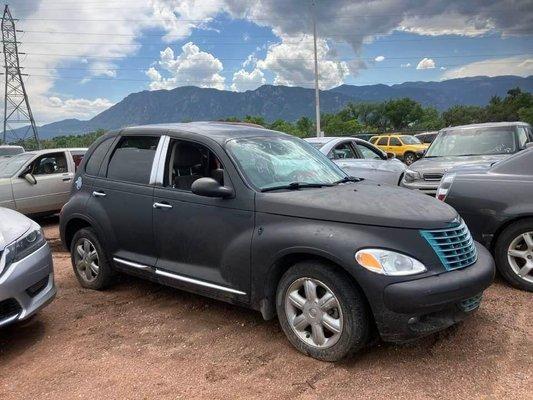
426,63
407,65
521,66
191,68
379,58
243,80
292,62
76,108
451,23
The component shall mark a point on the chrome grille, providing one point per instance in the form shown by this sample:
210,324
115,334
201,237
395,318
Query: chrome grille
433,177
454,246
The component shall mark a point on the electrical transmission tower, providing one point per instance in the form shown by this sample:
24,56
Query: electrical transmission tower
17,111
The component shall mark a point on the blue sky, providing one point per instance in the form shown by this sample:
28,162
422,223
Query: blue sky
84,56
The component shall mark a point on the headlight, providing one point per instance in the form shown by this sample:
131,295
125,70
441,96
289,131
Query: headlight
32,240
411,176
444,187
388,262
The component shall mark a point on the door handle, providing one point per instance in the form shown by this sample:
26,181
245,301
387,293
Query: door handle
66,179
99,194
162,205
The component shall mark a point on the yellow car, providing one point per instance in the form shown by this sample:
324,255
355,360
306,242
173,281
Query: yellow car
405,147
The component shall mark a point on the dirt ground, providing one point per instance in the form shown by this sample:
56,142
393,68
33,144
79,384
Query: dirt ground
139,340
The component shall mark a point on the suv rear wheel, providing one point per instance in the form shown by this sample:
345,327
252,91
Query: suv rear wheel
321,311
409,158
514,254
91,266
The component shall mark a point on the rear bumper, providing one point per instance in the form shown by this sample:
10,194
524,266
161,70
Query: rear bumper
423,306
27,286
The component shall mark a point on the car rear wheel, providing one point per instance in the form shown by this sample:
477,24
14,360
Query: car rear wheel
409,158
514,254
322,313
90,264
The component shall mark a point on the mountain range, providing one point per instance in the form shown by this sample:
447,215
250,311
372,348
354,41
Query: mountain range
190,103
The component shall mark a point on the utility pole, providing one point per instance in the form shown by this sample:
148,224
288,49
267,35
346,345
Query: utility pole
16,105
317,92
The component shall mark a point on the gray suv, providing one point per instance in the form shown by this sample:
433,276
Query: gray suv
463,145
263,219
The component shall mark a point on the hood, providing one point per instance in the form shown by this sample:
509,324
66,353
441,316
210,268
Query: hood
477,168
443,164
364,203
12,226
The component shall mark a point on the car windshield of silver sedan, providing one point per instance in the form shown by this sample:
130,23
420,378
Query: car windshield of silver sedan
9,166
471,142
271,163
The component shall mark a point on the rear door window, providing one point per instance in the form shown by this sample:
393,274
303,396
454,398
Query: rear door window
395,142
383,141
132,159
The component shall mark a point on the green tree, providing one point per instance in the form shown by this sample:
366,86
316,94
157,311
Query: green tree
430,120
305,126
525,114
403,113
463,115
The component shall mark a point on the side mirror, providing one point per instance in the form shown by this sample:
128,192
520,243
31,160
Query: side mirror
390,155
209,187
30,178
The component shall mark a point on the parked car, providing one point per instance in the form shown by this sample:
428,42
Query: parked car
38,182
361,159
26,270
427,137
406,147
10,151
260,218
463,145
496,201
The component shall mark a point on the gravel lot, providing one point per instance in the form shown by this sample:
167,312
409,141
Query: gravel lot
139,340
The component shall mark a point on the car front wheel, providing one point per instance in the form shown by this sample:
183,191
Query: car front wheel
409,158
322,313
514,254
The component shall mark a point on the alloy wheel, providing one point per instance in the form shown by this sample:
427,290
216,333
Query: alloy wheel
314,312
520,256
86,260
409,159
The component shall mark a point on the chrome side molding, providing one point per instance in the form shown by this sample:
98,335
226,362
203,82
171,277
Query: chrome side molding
197,282
132,264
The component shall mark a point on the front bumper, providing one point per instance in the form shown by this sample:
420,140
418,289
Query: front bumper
423,306
27,286
427,187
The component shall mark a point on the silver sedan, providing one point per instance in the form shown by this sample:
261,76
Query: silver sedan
26,270
359,158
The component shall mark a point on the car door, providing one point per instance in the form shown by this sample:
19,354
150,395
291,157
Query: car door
383,143
395,146
51,188
202,241
122,199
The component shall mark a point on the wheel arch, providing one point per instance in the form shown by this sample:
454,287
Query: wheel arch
73,226
504,226
267,302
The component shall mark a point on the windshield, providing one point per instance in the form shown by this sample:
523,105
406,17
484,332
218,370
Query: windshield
410,140
276,161
469,142
10,165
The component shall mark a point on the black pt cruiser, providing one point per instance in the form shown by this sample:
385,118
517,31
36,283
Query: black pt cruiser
262,219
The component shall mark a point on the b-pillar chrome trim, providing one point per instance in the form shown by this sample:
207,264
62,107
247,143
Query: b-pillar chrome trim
178,277
156,174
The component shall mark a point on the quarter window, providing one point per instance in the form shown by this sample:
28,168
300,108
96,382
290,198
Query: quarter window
55,163
368,153
522,137
93,164
132,159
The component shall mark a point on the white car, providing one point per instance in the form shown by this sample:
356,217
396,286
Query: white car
361,159
38,182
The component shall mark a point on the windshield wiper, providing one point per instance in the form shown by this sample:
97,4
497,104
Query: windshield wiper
296,186
349,179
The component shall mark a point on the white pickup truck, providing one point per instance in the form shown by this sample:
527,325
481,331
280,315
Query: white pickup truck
38,182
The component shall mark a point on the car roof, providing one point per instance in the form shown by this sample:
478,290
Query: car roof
48,151
220,132
10,146
488,125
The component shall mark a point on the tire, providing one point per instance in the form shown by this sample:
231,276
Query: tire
349,313
508,266
88,276
409,158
